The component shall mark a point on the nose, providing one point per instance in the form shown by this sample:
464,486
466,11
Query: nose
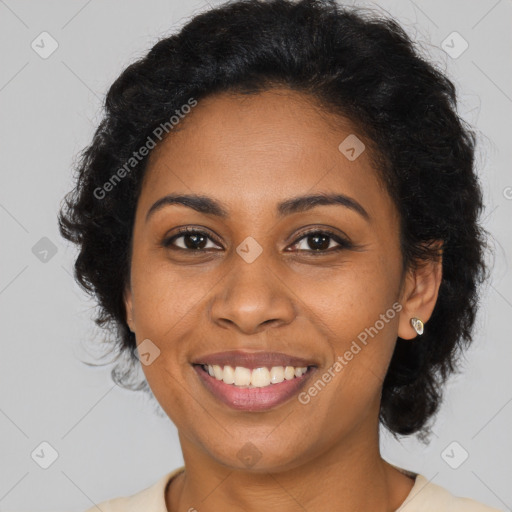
253,297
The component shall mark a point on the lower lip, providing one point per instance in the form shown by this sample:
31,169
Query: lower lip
253,399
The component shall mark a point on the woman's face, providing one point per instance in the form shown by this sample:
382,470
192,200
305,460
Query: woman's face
255,284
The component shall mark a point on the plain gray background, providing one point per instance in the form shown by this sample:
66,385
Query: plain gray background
109,441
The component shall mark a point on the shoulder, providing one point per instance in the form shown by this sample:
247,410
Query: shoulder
426,496
151,498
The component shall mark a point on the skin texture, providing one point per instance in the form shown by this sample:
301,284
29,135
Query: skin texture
250,153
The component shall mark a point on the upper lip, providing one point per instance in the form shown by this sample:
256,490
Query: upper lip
252,360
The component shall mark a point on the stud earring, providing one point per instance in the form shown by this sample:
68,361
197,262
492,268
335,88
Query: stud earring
417,325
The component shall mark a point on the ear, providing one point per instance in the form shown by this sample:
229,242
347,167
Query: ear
128,306
419,293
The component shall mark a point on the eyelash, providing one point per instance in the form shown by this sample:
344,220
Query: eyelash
342,243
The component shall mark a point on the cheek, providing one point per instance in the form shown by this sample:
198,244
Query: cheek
163,298
356,310
350,298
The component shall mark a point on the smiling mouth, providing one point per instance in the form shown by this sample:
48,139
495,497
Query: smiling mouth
246,378
253,390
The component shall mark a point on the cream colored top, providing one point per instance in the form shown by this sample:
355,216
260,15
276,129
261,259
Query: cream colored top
424,497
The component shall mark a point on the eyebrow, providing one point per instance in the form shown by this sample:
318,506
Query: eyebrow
209,206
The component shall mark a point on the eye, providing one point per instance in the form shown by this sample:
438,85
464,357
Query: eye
192,240
320,242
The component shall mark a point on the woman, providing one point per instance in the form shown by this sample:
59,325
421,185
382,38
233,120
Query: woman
278,216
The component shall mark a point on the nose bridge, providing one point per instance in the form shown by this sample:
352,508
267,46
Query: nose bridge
252,293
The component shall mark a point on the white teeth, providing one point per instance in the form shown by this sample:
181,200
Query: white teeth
260,377
289,372
242,376
228,374
217,370
276,374
257,378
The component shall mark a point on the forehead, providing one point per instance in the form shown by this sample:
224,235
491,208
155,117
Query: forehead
250,150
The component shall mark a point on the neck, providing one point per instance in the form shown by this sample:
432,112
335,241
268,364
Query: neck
351,474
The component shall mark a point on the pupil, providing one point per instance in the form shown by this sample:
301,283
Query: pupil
196,239
324,244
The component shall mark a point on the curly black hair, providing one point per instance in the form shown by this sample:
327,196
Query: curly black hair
361,66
